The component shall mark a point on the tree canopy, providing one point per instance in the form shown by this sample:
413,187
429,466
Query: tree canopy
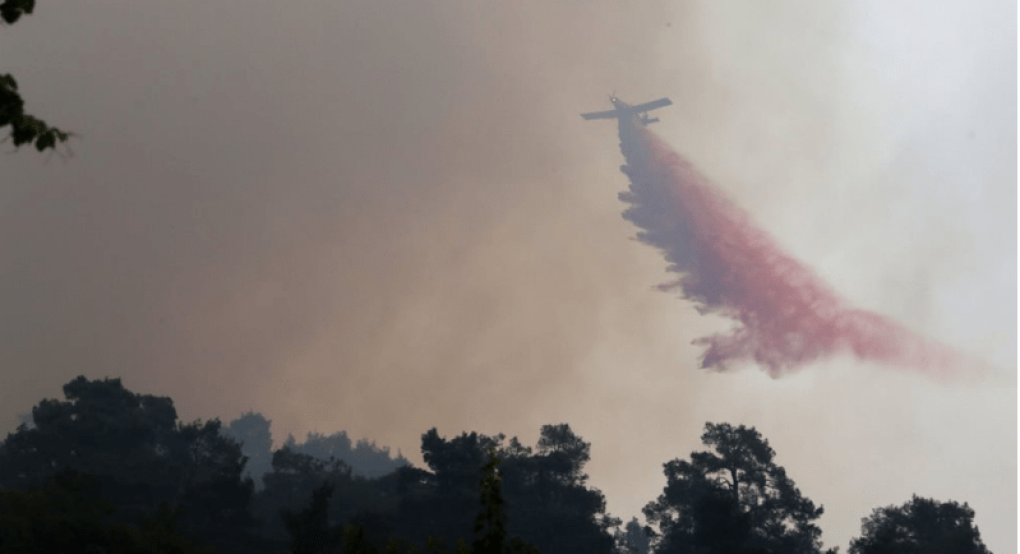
116,471
920,526
364,457
68,514
141,454
634,538
251,430
548,501
734,498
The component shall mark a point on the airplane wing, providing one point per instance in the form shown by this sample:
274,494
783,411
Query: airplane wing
660,103
601,115
629,110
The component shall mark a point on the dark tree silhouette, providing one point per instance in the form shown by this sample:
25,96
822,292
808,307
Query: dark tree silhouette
309,530
69,515
547,501
142,456
734,499
295,478
99,429
25,128
490,523
920,526
445,500
110,470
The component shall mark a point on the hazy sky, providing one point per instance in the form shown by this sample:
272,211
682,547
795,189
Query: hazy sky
386,215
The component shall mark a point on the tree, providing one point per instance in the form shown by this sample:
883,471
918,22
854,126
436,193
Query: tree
252,431
920,526
208,470
25,128
101,428
634,539
309,530
296,477
564,452
444,500
364,457
142,456
490,523
312,531
548,502
734,499
68,514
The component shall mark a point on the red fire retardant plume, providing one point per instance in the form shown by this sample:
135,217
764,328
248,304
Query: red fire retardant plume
787,316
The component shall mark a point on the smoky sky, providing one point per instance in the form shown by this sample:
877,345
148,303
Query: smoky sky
384,216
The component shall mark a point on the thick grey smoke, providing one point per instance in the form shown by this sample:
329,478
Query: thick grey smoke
382,216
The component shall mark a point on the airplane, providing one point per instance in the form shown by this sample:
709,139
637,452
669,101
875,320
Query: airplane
624,109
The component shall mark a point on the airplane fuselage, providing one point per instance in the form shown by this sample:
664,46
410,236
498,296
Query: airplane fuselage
624,110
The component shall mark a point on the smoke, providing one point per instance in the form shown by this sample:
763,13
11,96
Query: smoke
787,316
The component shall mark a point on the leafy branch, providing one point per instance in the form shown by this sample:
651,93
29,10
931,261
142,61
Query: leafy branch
25,128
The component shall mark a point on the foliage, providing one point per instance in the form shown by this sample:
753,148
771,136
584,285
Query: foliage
490,523
115,471
251,430
445,501
309,530
287,487
101,427
295,477
634,539
12,10
25,128
364,457
920,526
142,456
312,533
735,499
68,514
547,500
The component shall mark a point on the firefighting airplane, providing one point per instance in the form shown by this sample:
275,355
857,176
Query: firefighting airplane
624,109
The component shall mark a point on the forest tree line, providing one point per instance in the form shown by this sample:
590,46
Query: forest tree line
109,470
